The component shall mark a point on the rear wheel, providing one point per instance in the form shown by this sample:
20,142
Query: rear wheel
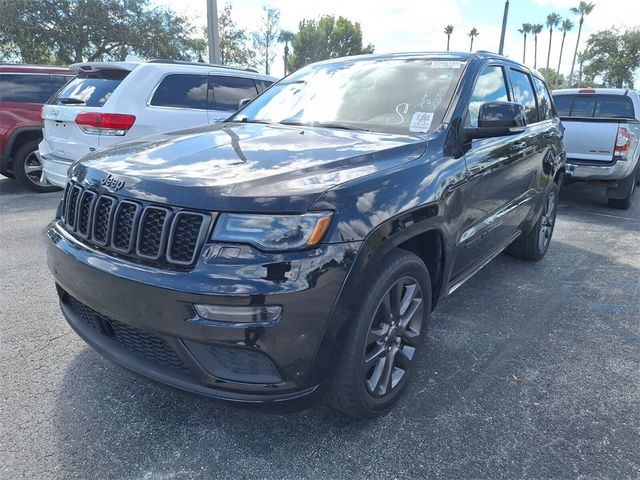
27,168
381,346
534,244
628,189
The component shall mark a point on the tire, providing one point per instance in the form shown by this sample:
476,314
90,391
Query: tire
379,350
629,184
28,169
534,245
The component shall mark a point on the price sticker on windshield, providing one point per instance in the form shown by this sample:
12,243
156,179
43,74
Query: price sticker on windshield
452,64
421,122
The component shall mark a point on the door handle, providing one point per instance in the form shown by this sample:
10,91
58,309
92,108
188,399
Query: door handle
516,147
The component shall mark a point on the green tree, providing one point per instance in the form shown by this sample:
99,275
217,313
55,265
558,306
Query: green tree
567,26
326,37
286,37
448,30
536,29
552,77
265,38
583,9
525,30
233,48
67,31
612,56
472,35
553,20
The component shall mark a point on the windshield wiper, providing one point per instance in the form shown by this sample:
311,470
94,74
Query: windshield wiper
337,125
247,120
70,101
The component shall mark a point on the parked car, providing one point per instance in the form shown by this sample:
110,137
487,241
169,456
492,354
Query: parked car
301,245
602,132
110,102
23,90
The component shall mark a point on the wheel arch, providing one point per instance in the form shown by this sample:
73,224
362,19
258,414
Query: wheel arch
18,138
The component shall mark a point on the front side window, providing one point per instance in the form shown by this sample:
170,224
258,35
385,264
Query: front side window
545,109
182,91
408,96
25,88
490,87
523,94
228,91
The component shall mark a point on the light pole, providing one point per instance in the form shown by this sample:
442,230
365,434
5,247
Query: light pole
214,36
504,26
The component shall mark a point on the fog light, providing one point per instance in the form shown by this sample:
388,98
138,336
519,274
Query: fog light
232,314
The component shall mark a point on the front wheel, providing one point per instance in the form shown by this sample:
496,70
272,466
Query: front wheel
27,168
534,245
381,346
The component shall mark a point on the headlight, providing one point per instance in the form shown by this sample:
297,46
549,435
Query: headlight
273,232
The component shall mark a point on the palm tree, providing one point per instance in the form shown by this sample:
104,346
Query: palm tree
583,9
553,20
473,34
567,26
448,30
526,28
286,36
536,29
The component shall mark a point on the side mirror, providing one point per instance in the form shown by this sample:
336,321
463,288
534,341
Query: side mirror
243,102
498,119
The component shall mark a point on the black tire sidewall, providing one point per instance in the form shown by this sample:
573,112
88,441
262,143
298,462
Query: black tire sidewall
19,160
555,190
396,265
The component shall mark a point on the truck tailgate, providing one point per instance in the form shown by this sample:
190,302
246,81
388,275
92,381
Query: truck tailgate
589,140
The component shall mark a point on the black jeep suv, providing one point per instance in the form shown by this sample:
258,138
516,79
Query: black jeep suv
302,244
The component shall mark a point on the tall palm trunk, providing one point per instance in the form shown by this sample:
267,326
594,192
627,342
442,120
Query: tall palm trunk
524,51
549,51
535,51
564,34
471,46
448,38
575,53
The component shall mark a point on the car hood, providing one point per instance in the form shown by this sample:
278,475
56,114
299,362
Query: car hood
244,166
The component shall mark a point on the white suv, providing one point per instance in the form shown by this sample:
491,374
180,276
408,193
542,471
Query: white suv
110,102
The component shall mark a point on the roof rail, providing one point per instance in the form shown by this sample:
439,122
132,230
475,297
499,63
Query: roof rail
198,64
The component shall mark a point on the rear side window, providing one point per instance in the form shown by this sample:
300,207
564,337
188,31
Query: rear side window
490,87
90,89
545,108
523,94
25,88
228,91
182,91
263,85
589,105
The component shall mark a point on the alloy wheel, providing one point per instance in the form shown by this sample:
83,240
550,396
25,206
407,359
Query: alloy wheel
33,169
393,335
547,221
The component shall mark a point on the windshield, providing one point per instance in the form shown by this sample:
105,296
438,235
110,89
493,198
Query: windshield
408,96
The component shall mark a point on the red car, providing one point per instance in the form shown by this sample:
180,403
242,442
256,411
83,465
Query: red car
23,91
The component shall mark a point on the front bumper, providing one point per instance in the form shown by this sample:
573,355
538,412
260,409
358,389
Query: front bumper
55,169
616,171
138,316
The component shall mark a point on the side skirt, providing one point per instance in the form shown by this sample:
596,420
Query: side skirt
475,268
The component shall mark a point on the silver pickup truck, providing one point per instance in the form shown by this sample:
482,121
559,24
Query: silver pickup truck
602,132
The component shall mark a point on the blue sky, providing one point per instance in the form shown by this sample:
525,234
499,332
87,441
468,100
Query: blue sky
412,25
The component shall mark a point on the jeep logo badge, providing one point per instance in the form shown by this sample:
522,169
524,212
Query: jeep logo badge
112,183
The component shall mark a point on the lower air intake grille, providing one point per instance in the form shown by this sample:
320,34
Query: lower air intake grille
140,342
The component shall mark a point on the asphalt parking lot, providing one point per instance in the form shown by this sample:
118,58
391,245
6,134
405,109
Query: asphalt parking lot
531,372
